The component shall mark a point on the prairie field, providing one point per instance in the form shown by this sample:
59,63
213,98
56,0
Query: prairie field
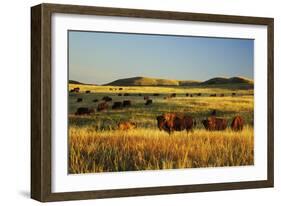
96,144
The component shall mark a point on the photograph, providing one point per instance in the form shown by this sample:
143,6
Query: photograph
139,102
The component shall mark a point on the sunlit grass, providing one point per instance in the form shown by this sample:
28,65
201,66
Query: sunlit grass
148,149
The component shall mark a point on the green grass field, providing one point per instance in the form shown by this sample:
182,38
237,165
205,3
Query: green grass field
96,145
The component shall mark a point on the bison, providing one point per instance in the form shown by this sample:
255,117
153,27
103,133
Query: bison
146,97
233,94
127,103
117,105
237,123
102,106
95,100
126,94
88,92
156,94
187,94
199,94
213,95
76,89
84,111
148,102
170,122
120,88
119,94
79,99
107,98
222,95
213,123
126,125
214,113
173,95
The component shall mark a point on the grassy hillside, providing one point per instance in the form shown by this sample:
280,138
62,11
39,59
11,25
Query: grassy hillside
232,80
147,81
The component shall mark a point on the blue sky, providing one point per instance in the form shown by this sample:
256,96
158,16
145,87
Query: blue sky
99,57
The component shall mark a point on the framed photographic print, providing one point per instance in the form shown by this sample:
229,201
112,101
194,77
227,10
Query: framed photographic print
130,102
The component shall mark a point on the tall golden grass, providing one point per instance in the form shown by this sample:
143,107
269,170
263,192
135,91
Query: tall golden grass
151,149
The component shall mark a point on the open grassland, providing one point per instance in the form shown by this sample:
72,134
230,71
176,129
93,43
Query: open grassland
96,145
147,149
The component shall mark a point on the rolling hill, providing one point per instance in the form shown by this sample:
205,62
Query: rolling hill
147,81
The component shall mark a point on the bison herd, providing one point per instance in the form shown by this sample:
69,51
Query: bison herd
168,122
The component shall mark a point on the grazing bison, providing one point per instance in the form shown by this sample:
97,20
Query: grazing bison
79,99
213,95
117,105
95,100
140,94
127,103
148,102
173,95
191,95
187,94
120,88
126,125
156,94
126,94
214,113
222,95
76,89
214,123
146,97
170,122
110,89
237,123
84,111
233,94
107,98
88,91
199,94
119,94
102,106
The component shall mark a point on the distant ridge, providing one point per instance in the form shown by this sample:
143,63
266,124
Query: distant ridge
147,81
76,82
232,80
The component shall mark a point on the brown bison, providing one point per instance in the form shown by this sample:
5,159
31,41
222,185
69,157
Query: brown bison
88,92
191,95
102,106
173,95
76,89
117,105
170,122
237,123
120,88
127,103
126,94
148,102
126,125
199,94
187,94
214,113
213,95
119,94
222,95
84,111
95,100
214,123
107,98
79,99
156,94
146,97
233,94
